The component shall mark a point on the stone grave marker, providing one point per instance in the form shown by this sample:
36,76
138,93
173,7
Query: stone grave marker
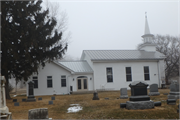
50,102
139,91
53,98
171,101
123,92
106,98
39,113
5,114
95,97
23,100
174,91
40,98
14,100
123,105
158,103
153,90
16,104
31,97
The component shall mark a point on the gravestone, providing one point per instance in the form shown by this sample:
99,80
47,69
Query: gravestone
157,103
106,98
31,97
50,102
40,98
122,105
14,100
123,92
139,98
39,113
153,90
53,98
4,110
171,101
163,84
16,104
174,90
139,91
23,100
95,97
71,89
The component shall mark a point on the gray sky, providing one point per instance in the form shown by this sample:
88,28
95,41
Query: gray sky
107,25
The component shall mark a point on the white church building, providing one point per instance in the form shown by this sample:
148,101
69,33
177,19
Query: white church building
102,70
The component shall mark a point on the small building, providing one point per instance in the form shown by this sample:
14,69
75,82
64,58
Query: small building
102,70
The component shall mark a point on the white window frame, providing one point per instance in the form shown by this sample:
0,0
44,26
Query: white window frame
63,79
51,80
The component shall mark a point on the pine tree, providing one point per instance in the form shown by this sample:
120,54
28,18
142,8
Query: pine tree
29,39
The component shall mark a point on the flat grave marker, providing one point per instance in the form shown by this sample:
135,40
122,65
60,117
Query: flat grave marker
16,104
39,113
14,100
50,102
40,98
171,101
106,98
53,98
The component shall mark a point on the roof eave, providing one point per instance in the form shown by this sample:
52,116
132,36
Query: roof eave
108,60
59,64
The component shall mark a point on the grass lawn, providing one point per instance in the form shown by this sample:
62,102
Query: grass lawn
94,109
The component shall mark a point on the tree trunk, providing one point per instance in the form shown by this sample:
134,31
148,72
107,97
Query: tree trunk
6,88
167,80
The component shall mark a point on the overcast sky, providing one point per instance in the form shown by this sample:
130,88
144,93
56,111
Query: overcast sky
108,25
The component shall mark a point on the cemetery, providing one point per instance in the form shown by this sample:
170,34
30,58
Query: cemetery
97,105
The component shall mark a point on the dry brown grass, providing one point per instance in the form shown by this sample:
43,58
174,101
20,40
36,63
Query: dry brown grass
94,109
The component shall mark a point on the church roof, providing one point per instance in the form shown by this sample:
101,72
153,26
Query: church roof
123,55
76,66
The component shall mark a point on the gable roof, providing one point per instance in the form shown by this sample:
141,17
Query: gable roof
76,66
123,55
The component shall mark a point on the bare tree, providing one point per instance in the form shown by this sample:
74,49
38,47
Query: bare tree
170,47
62,18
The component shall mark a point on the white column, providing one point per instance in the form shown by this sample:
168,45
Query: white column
1,94
4,97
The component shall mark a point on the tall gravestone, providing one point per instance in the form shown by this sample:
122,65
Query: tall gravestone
39,113
123,92
153,90
4,110
31,97
139,98
174,90
95,96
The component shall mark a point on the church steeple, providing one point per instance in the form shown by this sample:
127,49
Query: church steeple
148,44
148,37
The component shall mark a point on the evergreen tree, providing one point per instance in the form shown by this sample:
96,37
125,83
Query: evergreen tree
29,39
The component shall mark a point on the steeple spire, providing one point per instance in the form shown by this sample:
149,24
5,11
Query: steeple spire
148,37
146,30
